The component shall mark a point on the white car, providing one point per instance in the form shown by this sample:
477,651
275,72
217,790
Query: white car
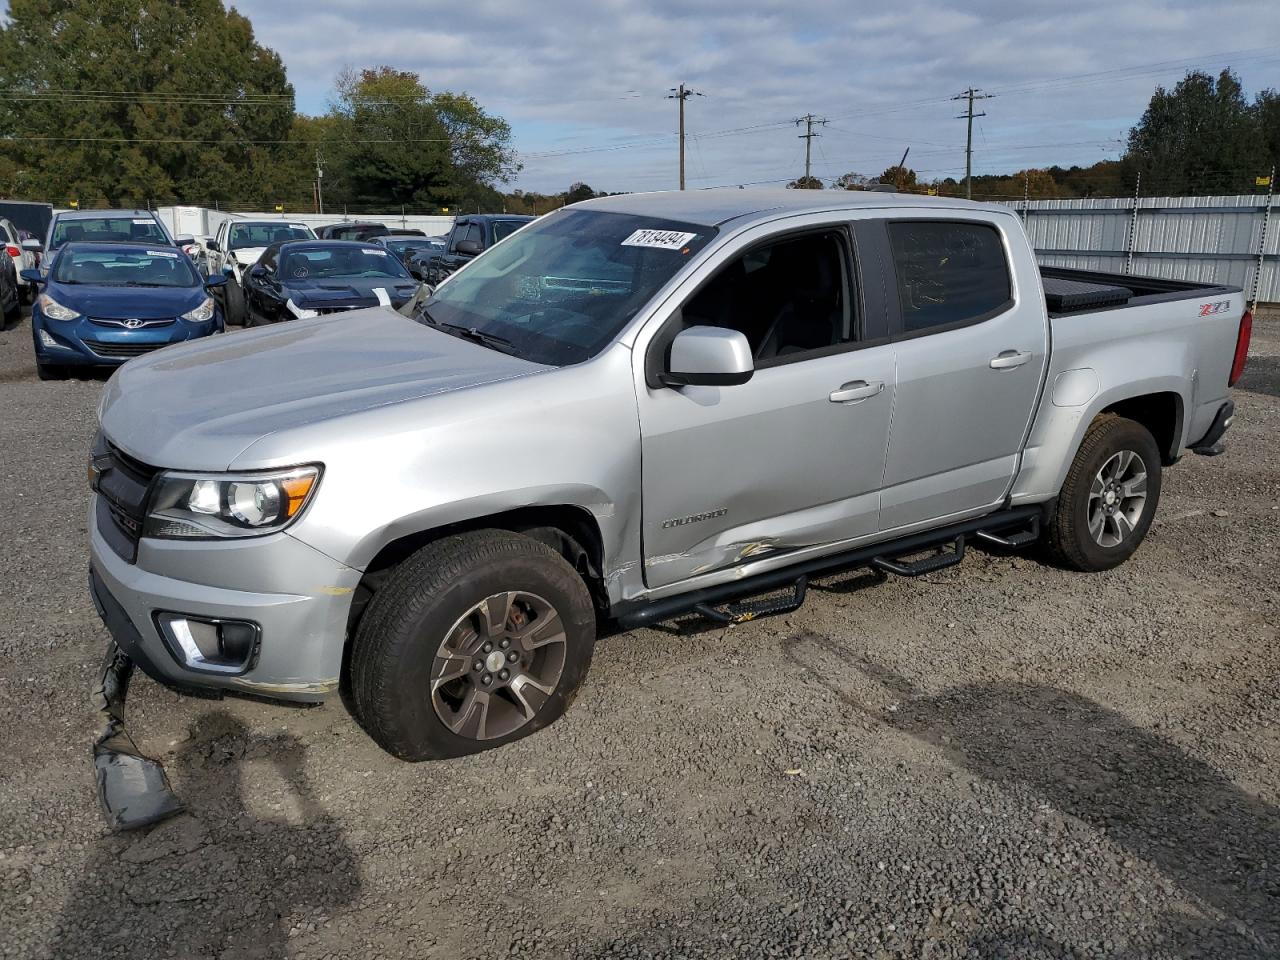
23,258
237,246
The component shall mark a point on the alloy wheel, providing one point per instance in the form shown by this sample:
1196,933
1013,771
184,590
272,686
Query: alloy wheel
1117,498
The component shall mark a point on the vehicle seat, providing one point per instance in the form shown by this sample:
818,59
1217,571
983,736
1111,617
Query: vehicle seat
74,233
810,318
282,236
94,272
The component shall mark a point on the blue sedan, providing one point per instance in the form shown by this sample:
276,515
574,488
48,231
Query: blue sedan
103,303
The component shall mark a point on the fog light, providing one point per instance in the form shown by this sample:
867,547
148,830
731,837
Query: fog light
47,339
210,645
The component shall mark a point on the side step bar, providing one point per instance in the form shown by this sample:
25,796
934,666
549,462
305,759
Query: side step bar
1013,541
918,568
639,613
740,611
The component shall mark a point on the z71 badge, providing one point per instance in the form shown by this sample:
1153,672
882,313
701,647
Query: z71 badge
1209,309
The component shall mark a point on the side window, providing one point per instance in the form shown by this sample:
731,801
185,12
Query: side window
949,273
790,298
475,233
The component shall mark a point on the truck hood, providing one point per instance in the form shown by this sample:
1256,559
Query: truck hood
247,256
197,406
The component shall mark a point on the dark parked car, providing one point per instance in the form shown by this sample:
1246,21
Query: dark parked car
419,259
403,246
352,231
306,278
102,303
471,235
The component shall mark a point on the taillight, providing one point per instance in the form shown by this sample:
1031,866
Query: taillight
1242,348
12,250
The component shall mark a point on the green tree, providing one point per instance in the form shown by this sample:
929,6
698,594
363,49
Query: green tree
850,181
392,141
902,178
805,183
1266,109
1201,137
129,101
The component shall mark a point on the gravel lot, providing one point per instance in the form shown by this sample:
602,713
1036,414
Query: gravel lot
1000,760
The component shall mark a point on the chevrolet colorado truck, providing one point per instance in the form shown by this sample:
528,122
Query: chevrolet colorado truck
638,408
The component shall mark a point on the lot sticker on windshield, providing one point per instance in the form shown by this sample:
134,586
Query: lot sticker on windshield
376,253
144,221
662,239
162,253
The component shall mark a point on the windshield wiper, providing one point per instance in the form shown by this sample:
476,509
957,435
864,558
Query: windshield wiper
491,340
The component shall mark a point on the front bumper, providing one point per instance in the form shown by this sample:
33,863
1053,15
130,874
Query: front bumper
83,343
299,598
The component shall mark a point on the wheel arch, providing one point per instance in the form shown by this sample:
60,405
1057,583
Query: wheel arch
1161,413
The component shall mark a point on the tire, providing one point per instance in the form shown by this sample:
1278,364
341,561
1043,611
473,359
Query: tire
415,682
233,306
1118,527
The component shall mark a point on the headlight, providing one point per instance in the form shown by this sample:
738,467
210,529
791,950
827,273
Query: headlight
222,505
202,313
53,309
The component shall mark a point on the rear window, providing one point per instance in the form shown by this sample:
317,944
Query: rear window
126,268
108,230
949,273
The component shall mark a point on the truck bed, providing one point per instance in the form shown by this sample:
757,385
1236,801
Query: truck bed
1068,291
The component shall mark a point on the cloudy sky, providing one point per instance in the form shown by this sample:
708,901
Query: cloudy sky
584,83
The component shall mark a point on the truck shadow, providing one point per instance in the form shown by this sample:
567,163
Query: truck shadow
1205,834
218,880
1261,375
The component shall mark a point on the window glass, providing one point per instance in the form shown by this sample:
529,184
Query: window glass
250,235
474,233
340,260
505,228
560,291
787,298
107,229
126,267
948,272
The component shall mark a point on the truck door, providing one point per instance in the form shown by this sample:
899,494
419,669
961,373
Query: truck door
793,457
971,351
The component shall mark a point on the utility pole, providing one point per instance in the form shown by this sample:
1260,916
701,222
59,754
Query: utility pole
681,93
808,120
970,95
319,182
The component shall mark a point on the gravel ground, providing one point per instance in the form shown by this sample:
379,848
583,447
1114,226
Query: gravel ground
1000,760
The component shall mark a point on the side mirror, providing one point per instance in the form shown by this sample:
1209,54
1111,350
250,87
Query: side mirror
469,247
709,356
216,280
35,246
212,245
31,276
258,271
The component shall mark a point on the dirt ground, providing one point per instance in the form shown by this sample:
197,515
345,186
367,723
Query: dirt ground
999,760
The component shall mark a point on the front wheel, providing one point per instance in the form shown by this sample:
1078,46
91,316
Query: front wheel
476,640
1109,498
233,306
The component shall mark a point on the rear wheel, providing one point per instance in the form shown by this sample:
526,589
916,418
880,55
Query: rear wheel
476,640
1109,498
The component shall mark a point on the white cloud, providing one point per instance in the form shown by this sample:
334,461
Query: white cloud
576,76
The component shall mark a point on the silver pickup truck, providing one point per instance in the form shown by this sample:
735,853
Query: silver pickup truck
636,408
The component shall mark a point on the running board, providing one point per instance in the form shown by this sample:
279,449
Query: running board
918,568
1013,541
642,612
740,611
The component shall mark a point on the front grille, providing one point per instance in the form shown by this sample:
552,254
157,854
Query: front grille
116,351
326,310
123,485
132,324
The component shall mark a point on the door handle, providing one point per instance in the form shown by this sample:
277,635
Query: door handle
1008,359
856,390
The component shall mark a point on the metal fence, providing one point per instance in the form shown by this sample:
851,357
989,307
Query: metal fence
1225,240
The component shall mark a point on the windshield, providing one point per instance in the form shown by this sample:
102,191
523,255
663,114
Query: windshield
403,247
505,228
340,260
125,268
249,235
108,230
563,289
